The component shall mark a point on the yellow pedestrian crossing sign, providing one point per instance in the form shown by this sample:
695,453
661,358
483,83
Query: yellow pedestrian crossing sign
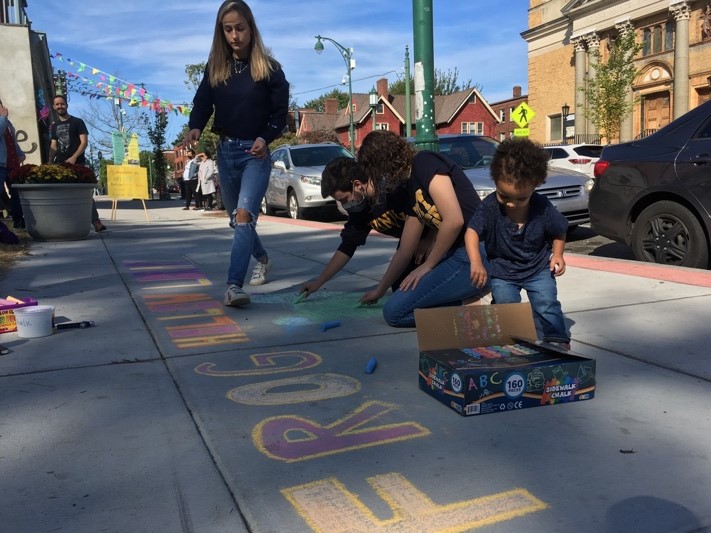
523,114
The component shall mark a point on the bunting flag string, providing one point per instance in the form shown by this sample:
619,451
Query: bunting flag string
112,87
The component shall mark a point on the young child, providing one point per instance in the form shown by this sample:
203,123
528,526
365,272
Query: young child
523,235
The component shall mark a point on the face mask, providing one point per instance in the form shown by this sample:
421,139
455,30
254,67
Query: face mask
355,206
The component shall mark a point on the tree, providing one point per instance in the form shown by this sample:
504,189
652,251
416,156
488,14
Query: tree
445,83
156,134
607,93
319,104
107,115
208,140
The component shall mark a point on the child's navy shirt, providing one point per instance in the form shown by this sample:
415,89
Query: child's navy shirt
514,253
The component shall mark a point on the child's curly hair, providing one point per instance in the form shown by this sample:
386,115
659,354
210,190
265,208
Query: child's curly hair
520,162
384,160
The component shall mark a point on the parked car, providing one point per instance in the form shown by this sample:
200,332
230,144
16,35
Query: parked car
655,193
295,180
577,157
567,190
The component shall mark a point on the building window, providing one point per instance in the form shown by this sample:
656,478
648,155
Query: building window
556,132
658,38
510,112
502,136
382,126
475,128
472,99
380,109
502,115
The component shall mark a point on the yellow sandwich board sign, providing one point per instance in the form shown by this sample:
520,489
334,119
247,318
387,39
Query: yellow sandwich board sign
127,182
523,114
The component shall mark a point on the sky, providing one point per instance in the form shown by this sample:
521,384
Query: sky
151,42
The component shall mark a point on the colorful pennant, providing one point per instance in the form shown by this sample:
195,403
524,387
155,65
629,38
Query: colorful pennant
118,88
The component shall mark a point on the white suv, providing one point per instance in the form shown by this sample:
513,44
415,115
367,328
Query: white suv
578,157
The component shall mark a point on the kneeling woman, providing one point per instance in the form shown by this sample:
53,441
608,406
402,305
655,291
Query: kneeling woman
441,197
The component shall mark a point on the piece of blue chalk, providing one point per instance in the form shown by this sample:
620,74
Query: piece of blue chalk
329,325
370,366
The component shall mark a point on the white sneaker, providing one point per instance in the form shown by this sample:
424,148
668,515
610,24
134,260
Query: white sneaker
259,275
235,296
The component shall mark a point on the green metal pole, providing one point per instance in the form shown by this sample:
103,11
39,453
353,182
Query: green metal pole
426,135
408,98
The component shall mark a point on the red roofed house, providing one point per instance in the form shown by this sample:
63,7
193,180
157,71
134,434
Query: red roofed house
461,112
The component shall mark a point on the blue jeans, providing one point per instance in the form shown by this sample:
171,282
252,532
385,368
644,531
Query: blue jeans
543,294
243,182
447,284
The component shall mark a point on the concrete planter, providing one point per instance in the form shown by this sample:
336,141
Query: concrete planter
58,211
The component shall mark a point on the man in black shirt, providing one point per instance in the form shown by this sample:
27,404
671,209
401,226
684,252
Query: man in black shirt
69,139
387,216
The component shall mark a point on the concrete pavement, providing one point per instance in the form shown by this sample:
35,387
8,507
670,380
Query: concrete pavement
175,413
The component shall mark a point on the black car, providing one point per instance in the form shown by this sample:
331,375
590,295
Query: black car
655,193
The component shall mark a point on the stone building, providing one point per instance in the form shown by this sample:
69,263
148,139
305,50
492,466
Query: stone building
674,66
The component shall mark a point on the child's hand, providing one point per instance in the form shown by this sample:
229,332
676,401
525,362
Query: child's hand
478,274
557,265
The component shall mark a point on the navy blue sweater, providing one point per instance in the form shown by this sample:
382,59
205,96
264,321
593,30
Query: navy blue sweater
244,109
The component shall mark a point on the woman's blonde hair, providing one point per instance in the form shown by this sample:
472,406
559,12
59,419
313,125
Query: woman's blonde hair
220,60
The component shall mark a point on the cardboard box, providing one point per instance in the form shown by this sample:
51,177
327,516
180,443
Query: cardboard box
7,316
481,359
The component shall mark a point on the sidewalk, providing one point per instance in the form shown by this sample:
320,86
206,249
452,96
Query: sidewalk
175,413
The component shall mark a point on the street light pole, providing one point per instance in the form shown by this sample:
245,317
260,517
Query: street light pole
564,111
347,54
373,101
426,134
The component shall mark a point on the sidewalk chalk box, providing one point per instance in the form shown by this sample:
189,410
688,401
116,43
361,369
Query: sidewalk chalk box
7,316
480,359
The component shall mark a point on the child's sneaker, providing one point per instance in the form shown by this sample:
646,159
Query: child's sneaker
259,275
235,296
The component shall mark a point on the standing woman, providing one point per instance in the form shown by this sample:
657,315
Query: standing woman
249,93
440,197
206,179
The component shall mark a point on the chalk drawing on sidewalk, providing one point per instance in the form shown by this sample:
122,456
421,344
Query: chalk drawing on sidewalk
298,389
169,274
266,364
328,506
320,307
196,320
292,438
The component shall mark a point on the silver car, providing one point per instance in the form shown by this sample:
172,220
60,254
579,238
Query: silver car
568,190
295,180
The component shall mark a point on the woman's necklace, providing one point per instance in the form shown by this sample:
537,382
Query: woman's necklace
241,65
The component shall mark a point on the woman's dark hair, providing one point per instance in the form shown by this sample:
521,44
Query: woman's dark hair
385,160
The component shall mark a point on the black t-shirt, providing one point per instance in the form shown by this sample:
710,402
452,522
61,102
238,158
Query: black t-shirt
425,166
386,216
67,133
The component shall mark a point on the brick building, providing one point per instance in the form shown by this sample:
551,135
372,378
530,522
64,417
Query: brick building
503,110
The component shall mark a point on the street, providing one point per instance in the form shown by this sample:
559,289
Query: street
583,240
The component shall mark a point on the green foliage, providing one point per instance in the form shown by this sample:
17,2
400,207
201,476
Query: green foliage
319,104
607,93
320,136
156,134
194,73
286,138
444,83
